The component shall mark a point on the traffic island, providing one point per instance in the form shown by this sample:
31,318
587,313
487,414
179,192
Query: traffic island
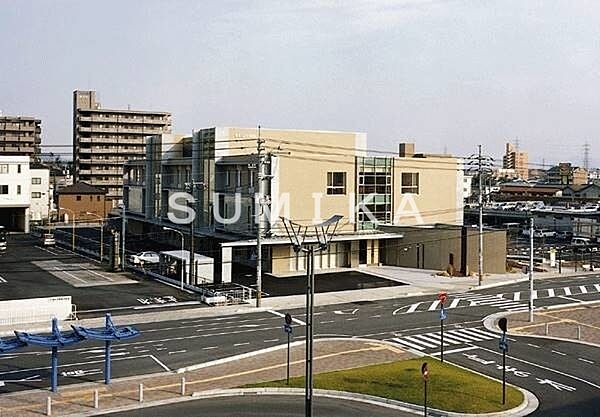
450,388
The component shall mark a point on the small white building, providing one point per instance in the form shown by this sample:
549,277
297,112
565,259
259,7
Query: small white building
41,195
203,266
15,192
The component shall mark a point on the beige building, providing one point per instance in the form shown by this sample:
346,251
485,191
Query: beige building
566,174
104,139
20,136
517,160
310,175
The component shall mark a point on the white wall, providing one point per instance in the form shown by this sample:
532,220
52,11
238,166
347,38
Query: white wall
19,183
41,195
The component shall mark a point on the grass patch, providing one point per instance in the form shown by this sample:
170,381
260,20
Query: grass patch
449,388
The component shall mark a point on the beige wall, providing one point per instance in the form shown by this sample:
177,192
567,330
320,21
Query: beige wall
440,191
93,203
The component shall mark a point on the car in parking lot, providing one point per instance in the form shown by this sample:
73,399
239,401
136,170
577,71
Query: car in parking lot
145,258
48,239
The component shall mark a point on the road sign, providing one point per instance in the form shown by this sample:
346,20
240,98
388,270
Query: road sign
288,318
287,328
502,323
442,297
443,314
425,371
503,345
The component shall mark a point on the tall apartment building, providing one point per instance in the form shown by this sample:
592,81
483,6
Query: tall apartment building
104,139
517,160
20,136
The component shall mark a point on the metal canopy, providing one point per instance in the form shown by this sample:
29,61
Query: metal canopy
323,232
57,339
110,331
10,345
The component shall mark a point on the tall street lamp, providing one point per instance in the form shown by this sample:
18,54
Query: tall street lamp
182,249
323,233
73,223
101,233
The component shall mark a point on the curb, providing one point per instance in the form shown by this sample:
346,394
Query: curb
489,322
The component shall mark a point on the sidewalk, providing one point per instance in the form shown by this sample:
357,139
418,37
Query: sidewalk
266,365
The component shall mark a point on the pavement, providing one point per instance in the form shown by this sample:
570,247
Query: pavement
265,365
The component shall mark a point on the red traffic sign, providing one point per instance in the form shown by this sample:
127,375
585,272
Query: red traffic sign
425,371
442,297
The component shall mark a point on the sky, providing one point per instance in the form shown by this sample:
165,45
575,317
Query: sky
445,74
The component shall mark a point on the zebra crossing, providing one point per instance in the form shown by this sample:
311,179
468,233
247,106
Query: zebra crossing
452,338
515,301
2,280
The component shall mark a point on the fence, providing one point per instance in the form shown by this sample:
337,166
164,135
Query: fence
34,310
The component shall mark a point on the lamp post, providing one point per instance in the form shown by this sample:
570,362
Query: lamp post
101,233
323,233
182,249
73,223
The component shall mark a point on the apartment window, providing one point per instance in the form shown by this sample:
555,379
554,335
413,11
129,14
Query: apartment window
36,194
3,189
19,169
78,198
19,189
36,181
336,183
410,183
4,169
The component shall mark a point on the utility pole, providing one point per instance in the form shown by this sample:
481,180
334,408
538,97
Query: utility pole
259,216
190,187
480,171
531,269
123,226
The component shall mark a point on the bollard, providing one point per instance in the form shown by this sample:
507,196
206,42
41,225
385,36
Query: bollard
96,399
578,332
141,393
182,385
546,331
49,406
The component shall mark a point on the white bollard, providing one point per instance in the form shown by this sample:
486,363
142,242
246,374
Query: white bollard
578,332
141,393
546,330
96,399
49,406
182,385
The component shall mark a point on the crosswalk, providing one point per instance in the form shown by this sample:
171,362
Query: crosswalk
515,301
452,338
2,280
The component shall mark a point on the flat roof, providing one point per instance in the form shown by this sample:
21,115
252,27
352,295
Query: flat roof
312,239
185,255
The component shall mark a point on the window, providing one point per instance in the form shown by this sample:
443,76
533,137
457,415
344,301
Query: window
98,198
4,169
238,178
19,188
3,189
336,183
227,179
36,181
19,169
36,194
78,198
410,183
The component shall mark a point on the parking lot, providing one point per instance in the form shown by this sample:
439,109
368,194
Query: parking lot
28,270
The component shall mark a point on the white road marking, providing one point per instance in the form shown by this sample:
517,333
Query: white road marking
482,332
376,316
404,343
270,340
558,353
535,294
532,345
177,351
517,296
455,350
583,289
112,355
434,305
241,344
415,339
585,360
327,322
550,292
210,347
567,290
351,319
162,365
597,287
454,303
2,280
295,320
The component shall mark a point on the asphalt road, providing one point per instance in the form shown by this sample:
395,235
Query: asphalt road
563,375
264,406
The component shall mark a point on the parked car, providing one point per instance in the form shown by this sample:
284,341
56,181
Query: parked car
565,235
145,258
48,239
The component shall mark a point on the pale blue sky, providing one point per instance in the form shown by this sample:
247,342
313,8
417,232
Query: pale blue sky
451,73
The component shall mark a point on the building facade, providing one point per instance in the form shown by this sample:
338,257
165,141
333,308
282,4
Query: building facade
15,192
82,202
310,175
42,195
104,139
517,160
566,174
20,136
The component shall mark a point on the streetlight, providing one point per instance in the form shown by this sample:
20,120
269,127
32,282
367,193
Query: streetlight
101,233
73,222
297,233
182,249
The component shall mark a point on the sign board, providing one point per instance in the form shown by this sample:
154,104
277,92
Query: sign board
502,323
442,297
503,345
425,371
443,314
288,318
287,328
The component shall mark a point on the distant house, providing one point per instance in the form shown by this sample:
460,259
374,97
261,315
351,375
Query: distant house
566,174
82,201
538,190
590,191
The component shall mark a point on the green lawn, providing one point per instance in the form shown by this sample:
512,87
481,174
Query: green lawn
449,388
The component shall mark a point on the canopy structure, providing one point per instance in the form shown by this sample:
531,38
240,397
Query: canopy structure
57,339
109,334
10,345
